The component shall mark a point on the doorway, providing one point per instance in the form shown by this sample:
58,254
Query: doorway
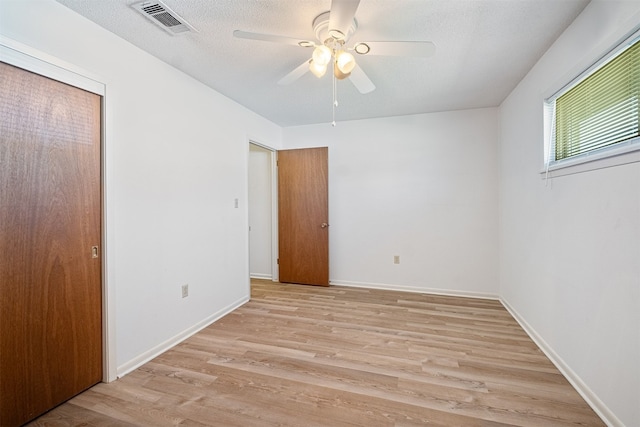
262,213
300,248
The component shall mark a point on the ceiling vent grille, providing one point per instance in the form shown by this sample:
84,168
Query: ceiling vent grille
163,17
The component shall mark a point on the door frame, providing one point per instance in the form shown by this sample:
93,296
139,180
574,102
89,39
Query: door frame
275,273
33,60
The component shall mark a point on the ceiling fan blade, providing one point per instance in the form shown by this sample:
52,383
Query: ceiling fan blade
341,15
417,49
268,38
294,75
361,81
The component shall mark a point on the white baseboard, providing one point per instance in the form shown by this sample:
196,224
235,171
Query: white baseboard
140,360
261,276
587,394
415,289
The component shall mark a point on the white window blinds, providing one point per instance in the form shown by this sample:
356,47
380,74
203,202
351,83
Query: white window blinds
601,110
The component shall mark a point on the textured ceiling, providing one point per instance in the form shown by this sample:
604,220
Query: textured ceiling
484,48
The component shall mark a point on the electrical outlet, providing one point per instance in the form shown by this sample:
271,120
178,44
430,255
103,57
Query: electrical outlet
396,259
185,291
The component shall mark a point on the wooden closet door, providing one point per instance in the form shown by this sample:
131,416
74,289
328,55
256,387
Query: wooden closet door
50,218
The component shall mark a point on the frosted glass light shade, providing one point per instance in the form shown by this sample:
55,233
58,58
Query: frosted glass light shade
321,55
339,74
318,70
345,62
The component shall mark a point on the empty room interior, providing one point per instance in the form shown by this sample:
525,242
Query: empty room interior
472,269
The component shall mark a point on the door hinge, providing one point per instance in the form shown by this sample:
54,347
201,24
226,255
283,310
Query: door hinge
278,261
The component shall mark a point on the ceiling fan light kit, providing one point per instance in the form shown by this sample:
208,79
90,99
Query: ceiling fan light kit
333,29
332,49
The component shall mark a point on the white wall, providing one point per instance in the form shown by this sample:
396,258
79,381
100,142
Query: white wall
570,250
423,187
260,212
177,158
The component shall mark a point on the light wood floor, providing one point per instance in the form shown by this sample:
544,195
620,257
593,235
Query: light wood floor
313,356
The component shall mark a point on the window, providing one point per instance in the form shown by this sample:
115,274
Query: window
598,115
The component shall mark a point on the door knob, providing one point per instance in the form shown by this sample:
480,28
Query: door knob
324,225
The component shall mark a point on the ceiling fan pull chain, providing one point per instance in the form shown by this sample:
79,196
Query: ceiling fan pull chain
335,100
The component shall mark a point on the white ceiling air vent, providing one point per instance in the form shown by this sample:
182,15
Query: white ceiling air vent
160,14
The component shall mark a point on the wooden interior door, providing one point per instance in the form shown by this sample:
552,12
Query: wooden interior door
303,216
50,218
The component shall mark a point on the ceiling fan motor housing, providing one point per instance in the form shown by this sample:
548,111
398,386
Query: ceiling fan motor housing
321,28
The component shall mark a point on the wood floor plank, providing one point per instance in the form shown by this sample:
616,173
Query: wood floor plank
313,356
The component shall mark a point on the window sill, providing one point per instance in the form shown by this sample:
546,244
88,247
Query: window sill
609,158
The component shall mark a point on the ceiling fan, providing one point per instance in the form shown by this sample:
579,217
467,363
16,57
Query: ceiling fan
333,29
